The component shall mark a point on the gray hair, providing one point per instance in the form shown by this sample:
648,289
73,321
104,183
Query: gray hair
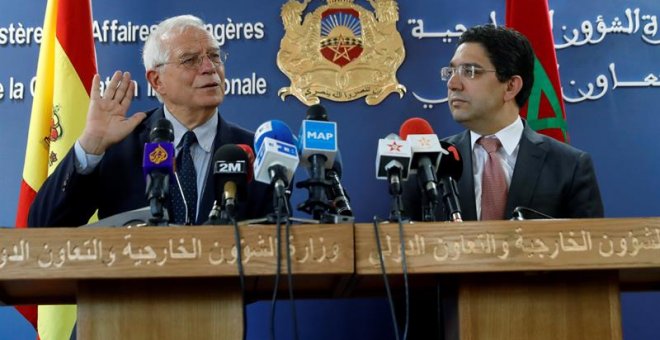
155,52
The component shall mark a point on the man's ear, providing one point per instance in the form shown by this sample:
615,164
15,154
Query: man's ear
153,77
513,87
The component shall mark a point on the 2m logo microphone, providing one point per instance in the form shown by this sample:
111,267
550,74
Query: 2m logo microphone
225,167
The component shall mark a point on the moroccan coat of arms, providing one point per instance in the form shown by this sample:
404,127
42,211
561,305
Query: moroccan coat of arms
341,51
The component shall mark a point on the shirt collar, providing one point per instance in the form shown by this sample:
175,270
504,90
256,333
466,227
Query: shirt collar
509,136
205,133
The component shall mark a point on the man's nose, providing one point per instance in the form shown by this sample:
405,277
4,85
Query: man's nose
207,65
454,83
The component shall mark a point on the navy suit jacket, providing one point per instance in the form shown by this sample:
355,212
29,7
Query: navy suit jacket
118,184
551,177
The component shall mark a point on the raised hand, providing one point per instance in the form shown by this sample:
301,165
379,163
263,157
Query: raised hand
107,123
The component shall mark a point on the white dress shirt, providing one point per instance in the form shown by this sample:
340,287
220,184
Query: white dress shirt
510,139
201,152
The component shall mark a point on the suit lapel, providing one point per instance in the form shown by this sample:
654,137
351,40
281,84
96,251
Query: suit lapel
531,157
466,184
222,136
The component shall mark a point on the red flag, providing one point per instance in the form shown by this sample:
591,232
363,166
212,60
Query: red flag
67,64
544,110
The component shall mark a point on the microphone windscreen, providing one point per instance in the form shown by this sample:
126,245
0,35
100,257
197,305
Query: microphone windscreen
162,131
250,154
451,162
158,156
393,136
415,126
317,112
231,163
275,129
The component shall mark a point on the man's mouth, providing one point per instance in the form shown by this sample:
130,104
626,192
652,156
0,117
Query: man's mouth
210,85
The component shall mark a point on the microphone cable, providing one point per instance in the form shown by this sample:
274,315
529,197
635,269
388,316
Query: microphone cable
183,198
278,241
292,302
383,271
241,273
278,265
405,278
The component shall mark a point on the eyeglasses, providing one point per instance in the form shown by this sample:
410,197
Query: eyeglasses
467,71
193,62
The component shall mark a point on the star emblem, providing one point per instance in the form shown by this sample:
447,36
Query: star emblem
394,147
341,49
425,142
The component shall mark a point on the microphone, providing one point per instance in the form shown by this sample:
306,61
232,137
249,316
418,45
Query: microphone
231,174
340,201
518,213
317,145
158,166
277,156
393,164
426,151
450,170
250,154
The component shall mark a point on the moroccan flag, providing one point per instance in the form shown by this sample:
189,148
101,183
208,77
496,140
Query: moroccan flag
545,109
67,64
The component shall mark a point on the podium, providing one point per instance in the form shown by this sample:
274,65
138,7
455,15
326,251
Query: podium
544,279
164,282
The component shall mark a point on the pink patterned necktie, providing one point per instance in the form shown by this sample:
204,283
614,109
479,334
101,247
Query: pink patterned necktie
493,184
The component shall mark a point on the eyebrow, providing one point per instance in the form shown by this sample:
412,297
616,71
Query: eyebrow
190,54
476,65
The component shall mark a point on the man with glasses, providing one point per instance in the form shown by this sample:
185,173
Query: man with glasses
186,68
507,164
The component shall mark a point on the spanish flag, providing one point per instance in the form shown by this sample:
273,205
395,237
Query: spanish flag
67,64
544,110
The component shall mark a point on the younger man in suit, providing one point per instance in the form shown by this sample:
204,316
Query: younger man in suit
489,79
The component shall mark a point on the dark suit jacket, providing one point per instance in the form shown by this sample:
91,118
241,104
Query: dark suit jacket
549,176
118,184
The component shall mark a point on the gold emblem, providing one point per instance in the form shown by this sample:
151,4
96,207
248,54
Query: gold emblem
54,135
158,156
341,51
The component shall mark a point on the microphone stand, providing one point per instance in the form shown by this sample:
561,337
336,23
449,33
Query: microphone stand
429,204
317,203
158,190
395,189
450,199
220,215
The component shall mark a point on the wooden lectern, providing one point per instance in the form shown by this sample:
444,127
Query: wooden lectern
163,283
544,279
550,279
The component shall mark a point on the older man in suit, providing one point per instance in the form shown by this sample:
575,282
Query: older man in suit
103,171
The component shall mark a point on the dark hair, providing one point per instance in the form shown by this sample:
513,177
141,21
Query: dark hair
509,51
